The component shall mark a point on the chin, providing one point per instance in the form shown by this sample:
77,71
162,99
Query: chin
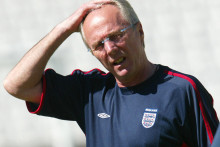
122,74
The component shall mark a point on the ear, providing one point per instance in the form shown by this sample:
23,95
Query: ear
141,32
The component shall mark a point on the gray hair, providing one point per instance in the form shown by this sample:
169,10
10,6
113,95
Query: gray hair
126,10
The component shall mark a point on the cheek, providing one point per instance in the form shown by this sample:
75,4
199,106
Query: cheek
101,57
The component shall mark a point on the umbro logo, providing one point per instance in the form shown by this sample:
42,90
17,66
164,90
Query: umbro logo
103,115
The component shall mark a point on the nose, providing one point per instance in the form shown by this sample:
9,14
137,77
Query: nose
110,47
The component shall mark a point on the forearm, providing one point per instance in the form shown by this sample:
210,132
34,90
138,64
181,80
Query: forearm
27,74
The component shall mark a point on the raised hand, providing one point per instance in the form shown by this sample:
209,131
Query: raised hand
72,23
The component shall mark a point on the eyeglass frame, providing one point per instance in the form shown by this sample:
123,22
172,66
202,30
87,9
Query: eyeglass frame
108,38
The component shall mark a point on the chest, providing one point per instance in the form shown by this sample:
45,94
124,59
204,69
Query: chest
134,120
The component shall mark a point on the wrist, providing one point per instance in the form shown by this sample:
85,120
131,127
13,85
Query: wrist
63,30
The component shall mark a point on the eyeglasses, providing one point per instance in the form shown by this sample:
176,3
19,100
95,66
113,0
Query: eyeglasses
116,37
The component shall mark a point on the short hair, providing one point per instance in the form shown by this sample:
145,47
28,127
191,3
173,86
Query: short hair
127,13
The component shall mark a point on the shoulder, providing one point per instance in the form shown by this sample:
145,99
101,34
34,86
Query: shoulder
187,84
180,79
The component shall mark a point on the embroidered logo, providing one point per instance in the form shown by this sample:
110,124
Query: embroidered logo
149,117
103,115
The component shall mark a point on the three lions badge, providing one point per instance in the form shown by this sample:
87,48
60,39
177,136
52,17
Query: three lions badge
149,117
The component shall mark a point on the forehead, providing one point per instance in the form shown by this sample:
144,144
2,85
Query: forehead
102,21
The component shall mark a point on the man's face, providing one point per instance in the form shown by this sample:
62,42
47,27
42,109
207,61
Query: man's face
124,58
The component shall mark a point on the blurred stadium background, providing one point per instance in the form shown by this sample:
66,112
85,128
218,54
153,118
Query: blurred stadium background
181,34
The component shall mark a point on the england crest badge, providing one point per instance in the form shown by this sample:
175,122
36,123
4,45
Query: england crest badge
149,117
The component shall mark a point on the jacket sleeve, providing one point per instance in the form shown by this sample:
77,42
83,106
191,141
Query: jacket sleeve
62,96
202,120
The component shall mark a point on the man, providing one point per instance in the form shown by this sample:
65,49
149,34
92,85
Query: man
136,104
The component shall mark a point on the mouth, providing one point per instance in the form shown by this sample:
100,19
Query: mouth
119,61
